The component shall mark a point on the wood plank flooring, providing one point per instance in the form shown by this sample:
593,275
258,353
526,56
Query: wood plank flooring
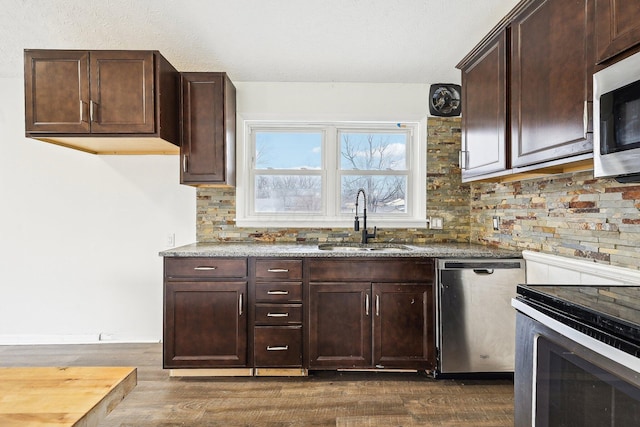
341,399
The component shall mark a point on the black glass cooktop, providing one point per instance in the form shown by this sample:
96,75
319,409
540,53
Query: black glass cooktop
610,314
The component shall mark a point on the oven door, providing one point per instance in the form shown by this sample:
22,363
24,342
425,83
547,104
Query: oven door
566,378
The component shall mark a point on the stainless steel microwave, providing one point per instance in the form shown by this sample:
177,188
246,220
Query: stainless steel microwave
616,110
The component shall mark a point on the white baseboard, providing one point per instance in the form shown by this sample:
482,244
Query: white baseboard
70,339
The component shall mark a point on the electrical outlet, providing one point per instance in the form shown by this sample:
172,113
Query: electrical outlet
436,223
105,336
171,239
496,223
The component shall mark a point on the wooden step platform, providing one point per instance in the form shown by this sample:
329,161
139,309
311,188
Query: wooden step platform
53,396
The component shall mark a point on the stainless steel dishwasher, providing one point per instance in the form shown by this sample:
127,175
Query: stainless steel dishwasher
475,321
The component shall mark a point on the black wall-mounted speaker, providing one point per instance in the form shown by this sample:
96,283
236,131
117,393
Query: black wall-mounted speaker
444,100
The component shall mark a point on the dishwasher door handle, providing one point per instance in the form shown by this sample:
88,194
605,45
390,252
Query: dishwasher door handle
483,270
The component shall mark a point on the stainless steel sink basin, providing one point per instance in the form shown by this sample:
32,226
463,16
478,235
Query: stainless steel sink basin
361,247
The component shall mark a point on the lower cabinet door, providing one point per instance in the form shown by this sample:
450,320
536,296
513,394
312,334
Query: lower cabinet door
278,346
403,324
339,325
205,324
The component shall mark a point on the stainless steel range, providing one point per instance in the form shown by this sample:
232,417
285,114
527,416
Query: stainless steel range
578,356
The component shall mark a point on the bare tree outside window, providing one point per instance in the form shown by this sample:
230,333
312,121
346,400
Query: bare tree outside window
279,185
380,160
288,193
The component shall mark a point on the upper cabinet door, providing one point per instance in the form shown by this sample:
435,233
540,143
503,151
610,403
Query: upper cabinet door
484,124
617,27
208,129
56,91
551,84
122,92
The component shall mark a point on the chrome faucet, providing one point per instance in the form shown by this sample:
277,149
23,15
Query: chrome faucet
356,225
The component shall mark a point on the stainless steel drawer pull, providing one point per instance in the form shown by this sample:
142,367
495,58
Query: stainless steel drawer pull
366,305
377,305
277,292
204,268
241,305
278,270
277,347
277,314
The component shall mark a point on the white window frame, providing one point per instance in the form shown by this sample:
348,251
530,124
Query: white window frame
330,217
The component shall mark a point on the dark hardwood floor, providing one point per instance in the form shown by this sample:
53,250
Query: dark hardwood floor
344,399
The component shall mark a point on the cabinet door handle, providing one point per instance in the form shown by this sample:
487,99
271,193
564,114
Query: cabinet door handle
82,110
366,304
277,347
585,118
185,163
92,113
240,304
277,314
278,270
277,292
377,305
204,268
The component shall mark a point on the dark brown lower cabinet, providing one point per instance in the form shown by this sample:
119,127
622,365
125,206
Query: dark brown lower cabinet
278,346
371,325
402,332
205,324
285,315
339,325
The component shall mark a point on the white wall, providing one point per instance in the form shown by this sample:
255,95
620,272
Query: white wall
80,236
332,101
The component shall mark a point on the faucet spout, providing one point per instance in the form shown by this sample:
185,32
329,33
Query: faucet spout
356,225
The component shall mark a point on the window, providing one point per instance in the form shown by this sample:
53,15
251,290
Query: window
308,174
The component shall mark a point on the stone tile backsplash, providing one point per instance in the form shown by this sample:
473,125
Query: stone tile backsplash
572,215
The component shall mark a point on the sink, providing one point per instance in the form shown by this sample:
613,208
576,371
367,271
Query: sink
361,247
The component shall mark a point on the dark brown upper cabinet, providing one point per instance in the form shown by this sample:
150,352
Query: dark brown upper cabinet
527,89
484,103
551,82
617,27
102,102
207,152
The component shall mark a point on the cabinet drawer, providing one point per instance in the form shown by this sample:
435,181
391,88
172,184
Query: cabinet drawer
279,292
205,267
279,346
280,269
384,270
278,314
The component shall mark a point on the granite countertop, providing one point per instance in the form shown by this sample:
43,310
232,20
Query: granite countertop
436,250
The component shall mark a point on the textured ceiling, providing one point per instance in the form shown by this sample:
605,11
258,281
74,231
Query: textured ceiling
377,41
